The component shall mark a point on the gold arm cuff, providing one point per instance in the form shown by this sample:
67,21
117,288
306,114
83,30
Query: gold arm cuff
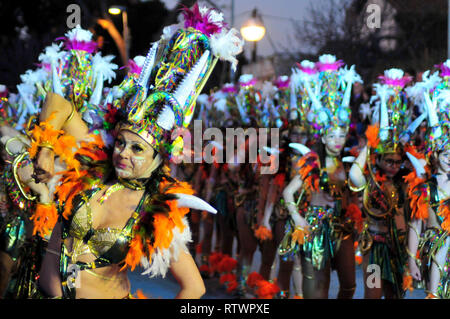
356,189
71,114
46,145
410,254
15,165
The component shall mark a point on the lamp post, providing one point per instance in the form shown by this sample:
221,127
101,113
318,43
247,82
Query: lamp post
115,10
253,30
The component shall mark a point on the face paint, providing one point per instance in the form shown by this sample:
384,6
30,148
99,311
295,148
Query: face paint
132,156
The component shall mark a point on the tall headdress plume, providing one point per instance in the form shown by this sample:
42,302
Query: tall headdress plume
330,98
174,74
392,115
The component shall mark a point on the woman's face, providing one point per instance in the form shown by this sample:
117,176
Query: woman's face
132,156
390,164
444,161
334,141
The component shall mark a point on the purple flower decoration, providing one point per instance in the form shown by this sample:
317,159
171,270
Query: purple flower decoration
306,69
88,47
194,19
445,70
280,84
333,66
401,82
133,67
248,83
229,89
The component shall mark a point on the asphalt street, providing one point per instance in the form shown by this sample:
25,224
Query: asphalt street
166,288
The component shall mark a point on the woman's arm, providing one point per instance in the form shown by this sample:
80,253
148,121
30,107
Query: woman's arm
186,273
59,113
288,195
356,173
270,202
413,243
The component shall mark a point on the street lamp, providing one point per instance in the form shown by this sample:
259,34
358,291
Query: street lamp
253,30
115,10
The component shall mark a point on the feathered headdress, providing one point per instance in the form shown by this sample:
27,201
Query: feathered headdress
330,98
165,94
391,117
432,94
248,99
304,78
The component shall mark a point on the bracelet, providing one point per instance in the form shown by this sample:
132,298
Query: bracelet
46,145
15,167
46,204
291,203
410,254
356,189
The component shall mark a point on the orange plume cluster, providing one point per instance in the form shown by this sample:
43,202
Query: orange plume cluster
44,218
354,213
299,235
308,163
444,212
372,136
418,194
408,283
263,233
45,134
135,252
163,225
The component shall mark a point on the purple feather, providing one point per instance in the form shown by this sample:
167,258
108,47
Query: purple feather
194,19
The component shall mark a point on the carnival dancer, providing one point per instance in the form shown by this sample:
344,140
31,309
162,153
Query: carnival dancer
64,71
325,229
429,188
272,215
100,233
376,172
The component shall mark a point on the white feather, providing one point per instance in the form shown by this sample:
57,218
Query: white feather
162,258
79,34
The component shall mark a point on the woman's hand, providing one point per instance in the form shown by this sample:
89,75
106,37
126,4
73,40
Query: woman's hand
44,166
26,177
414,270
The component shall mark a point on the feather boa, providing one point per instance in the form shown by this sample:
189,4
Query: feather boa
418,192
309,171
170,236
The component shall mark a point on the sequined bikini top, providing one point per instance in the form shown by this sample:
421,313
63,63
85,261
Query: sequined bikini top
87,240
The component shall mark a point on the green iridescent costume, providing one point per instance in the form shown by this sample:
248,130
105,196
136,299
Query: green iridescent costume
385,249
432,240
